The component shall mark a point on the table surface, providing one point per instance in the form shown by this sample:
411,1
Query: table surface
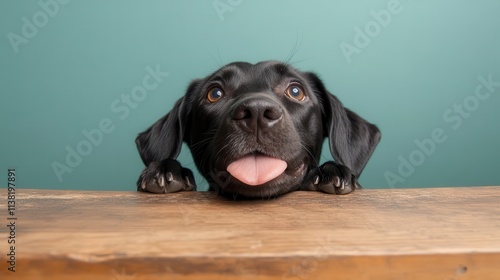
436,233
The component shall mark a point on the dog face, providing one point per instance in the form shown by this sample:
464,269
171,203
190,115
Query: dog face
257,130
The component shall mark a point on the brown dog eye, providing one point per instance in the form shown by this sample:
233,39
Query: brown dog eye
296,92
214,94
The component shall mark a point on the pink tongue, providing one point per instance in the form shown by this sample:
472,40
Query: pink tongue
256,170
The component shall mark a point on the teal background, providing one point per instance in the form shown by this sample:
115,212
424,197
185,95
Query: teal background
414,69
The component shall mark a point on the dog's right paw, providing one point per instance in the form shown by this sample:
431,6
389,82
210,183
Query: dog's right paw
166,176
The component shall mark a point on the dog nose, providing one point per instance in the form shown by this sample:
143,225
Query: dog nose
257,114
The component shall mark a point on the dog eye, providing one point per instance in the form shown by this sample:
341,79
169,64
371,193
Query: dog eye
296,92
214,94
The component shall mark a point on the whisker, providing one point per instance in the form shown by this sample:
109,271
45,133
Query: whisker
220,58
309,152
298,61
294,50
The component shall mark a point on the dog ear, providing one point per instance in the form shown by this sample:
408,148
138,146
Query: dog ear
352,139
163,140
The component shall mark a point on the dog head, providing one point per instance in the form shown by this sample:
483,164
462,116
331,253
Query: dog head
258,129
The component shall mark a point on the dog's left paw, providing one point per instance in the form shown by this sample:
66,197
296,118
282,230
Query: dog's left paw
166,176
332,178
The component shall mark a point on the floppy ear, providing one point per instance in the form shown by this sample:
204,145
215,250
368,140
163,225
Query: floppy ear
352,139
163,140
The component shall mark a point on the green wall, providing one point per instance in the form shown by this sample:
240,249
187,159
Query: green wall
427,72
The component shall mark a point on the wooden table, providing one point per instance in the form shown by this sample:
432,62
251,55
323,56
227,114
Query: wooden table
440,233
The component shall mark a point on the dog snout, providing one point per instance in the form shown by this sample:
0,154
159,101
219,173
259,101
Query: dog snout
257,114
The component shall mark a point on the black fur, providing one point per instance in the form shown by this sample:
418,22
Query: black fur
255,115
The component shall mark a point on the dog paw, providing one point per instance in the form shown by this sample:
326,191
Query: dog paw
166,176
333,178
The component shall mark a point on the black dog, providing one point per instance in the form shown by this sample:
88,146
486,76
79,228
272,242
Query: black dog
257,130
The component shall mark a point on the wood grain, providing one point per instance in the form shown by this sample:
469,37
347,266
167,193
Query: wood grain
438,233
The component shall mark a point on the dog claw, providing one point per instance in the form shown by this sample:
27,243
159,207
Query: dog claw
189,184
342,187
143,185
316,180
169,176
336,181
161,181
